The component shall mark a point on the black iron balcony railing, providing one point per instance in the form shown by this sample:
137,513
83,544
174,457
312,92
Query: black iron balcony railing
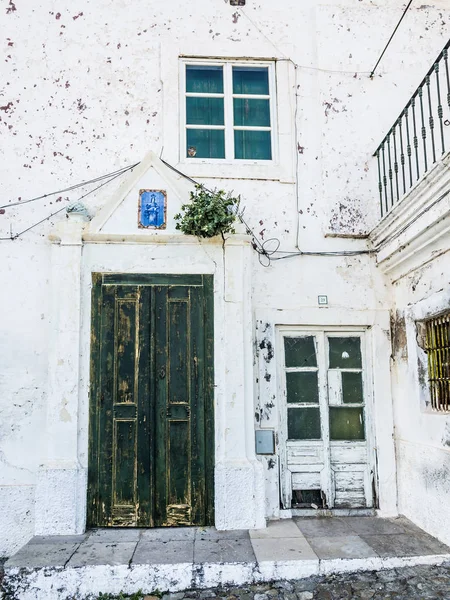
419,136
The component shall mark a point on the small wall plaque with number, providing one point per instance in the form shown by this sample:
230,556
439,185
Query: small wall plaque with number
152,209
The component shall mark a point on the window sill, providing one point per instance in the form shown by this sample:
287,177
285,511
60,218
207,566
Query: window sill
263,170
434,413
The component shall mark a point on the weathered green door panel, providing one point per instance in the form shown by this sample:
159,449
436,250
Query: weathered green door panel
94,394
105,405
173,502
145,432
197,384
124,462
117,406
178,446
160,388
208,383
151,420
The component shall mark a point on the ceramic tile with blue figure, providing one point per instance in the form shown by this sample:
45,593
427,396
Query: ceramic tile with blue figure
152,209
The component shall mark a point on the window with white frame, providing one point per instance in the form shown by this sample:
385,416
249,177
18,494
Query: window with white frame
228,110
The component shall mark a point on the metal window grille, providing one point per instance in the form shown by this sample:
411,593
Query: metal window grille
438,350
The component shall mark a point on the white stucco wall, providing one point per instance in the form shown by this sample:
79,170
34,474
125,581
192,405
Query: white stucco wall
415,260
422,436
89,88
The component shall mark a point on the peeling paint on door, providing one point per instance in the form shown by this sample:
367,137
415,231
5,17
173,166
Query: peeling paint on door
151,422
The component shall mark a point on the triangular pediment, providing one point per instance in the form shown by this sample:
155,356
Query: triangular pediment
146,202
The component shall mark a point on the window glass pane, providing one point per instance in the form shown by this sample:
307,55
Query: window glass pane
345,352
300,351
254,145
346,423
352,388
251,113
301,386
205,143
204,111
250,80
304,423
204,79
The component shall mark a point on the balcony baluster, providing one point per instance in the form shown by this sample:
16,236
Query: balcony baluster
419,114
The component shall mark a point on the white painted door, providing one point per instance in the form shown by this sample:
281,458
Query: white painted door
326,460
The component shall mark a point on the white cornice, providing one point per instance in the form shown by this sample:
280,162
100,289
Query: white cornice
163,238
417,229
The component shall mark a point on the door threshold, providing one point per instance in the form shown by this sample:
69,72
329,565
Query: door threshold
325,512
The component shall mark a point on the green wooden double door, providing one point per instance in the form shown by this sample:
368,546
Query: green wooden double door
151,430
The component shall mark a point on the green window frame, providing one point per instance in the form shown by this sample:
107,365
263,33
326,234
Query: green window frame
228,111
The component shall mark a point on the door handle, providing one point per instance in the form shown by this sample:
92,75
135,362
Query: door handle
162,372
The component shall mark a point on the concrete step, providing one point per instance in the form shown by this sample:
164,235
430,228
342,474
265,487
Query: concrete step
128,560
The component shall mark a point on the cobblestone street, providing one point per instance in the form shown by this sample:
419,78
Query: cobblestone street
411,583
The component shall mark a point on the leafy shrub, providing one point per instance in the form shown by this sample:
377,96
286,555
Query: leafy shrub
209,213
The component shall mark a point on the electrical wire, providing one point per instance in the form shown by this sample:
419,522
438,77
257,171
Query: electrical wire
353,73
72,187
111,178
372,73
183,174
265,253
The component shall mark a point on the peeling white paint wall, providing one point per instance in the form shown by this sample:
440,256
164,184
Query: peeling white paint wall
88,88
416,261
422,436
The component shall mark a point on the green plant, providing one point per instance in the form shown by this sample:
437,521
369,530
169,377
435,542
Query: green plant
136,596
209,213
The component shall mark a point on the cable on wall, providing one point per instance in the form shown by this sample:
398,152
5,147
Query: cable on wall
372,73
353,73
105,181
71,188
267,251
269,248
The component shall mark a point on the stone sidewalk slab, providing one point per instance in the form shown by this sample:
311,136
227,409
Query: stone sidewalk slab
58,539
149,552
98,553
373,526
38,555
211,533
223,551
323,527
277,529
350,546
114,535
405,544
170,534
283,549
